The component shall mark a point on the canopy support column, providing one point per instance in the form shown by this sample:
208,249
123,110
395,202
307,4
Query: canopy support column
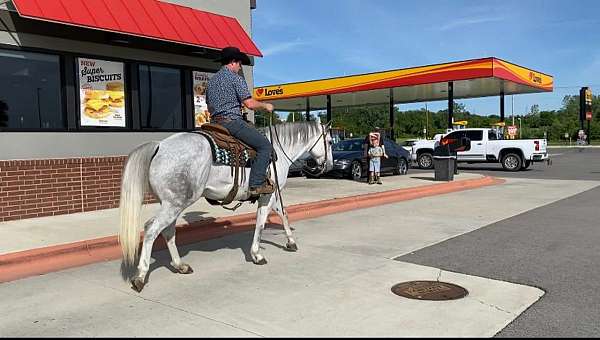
328,108
501,106
450,104
392,135
307,109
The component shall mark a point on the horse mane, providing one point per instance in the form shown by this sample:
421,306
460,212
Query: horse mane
294,133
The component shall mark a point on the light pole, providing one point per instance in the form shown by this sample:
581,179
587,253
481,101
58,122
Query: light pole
520,131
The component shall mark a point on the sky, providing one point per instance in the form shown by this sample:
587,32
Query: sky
314,39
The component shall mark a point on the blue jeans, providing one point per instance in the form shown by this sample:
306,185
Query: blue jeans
249,135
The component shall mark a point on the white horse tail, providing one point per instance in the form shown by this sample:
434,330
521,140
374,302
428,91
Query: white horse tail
134,182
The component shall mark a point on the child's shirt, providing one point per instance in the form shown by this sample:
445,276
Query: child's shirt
376,151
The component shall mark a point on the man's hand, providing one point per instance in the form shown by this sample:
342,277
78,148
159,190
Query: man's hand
269,107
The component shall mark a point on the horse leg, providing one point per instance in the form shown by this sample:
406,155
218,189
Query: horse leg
291,243
169,235
264,207
163,219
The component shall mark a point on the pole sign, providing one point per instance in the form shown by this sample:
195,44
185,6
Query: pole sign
588,104
585,104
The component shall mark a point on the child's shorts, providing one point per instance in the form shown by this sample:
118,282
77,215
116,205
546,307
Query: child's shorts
375,164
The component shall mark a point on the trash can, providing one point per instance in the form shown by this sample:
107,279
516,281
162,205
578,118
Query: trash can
444,167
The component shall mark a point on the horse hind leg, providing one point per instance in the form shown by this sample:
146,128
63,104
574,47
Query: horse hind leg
291,243
169,235
166,216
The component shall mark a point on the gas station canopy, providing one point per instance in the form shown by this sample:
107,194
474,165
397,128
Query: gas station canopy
455,80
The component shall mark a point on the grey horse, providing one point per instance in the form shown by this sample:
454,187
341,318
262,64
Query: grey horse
180,169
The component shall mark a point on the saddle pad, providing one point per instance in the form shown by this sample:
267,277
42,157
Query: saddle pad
223,156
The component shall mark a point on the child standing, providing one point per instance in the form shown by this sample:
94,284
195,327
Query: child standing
376,151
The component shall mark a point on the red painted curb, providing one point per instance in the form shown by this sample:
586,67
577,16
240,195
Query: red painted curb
14,266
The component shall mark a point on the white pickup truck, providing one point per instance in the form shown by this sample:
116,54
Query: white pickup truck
487,146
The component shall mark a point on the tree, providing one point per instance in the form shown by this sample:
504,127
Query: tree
296,116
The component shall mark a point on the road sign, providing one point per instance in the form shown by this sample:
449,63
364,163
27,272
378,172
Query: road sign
512,130
588,116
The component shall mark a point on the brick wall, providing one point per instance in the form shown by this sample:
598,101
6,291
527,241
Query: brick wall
47,187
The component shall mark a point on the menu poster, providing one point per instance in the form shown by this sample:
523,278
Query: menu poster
201,114
101,92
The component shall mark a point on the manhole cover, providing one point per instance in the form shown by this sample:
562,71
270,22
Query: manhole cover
429,290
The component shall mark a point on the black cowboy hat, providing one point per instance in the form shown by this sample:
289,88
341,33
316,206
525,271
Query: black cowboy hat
233,53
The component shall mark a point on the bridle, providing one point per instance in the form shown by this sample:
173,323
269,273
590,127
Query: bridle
325,130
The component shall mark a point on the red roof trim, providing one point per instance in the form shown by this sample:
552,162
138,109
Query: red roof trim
145,18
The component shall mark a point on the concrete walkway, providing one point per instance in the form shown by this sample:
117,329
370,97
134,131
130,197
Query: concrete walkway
337,284
33,233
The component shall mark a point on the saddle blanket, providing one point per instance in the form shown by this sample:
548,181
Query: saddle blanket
223,156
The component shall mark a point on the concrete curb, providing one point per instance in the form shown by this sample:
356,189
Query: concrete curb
18,265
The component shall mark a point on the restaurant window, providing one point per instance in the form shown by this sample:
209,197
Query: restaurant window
31,91
161,100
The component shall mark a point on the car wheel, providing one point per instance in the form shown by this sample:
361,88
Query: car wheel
356,171
525,165
401,167
511,162
425,161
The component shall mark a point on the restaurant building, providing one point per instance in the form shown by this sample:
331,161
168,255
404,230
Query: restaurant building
83,82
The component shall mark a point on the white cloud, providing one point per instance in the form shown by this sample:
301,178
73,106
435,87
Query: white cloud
468,22
282,47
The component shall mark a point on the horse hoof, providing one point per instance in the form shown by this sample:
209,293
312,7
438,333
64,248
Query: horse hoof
185,269
292,247
261,262
137,284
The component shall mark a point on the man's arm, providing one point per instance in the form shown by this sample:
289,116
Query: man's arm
254,104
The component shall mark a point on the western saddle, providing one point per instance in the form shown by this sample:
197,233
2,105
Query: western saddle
239,155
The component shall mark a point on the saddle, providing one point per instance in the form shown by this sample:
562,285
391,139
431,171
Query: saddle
228,150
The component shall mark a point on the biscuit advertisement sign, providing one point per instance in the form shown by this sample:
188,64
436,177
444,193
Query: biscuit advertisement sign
201,115
101,92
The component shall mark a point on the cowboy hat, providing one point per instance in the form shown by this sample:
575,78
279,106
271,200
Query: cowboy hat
233,53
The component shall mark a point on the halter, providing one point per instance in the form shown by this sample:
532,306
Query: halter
325,129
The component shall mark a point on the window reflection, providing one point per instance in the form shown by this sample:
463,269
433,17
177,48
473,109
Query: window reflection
31,91
161,102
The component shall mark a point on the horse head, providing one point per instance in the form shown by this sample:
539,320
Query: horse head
321,151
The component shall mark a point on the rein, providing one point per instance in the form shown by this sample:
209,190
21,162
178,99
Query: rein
323,134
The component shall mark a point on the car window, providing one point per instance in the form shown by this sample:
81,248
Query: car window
494,135
348,145
475,135
456,135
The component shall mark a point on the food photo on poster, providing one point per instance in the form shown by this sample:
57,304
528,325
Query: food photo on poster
102,93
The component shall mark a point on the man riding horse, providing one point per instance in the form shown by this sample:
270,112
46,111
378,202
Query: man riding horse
226,92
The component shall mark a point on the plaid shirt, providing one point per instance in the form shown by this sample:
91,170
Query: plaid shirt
225,93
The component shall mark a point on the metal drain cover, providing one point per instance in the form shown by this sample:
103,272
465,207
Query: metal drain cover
429,290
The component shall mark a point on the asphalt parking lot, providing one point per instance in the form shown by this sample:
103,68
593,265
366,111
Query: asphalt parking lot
567,163
554,247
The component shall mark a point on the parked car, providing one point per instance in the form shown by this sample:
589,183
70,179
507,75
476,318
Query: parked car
487,146
349,160
297,168
407,144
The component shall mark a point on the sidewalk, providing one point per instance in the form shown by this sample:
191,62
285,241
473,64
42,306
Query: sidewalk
44,245
40,232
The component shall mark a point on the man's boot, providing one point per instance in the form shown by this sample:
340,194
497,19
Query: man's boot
378,179
371,179
266,188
